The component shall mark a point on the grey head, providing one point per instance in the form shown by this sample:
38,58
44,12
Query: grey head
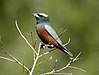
41,17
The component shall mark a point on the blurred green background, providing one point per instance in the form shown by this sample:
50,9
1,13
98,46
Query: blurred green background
79,17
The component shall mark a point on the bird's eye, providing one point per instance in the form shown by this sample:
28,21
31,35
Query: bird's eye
40,15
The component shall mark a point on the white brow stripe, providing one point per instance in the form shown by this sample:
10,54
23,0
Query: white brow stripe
43,14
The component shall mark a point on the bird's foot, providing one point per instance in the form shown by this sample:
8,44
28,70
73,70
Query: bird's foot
44,46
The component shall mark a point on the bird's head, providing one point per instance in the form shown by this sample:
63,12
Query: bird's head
41,17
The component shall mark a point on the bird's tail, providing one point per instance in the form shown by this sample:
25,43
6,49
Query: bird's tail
68,52
65,50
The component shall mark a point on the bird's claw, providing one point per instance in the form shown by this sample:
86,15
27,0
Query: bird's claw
46,46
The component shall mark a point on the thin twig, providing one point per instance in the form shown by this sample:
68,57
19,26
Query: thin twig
62,32
69,63
35,62
57,74
76,58
13,58
25,38
55,64
57,37
17,61
5,58
46,52
66,66
44,61
77,68
67,42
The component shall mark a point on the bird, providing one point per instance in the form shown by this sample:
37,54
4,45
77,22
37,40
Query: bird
47,34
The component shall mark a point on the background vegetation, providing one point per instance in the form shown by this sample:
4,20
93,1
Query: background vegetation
79,17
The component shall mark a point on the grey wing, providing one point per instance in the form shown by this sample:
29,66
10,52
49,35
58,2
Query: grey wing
52,32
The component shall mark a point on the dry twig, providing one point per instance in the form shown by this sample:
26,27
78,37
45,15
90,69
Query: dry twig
12,58
65,67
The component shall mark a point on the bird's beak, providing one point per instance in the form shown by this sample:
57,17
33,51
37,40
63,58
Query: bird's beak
35,14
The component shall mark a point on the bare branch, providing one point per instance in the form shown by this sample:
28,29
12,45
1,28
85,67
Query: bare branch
66,66
76,58
13,59
55,65
25,38
69,63
77,68
46,52
67,42
62,33
35,62
5,58
44,61
17,61
51,73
